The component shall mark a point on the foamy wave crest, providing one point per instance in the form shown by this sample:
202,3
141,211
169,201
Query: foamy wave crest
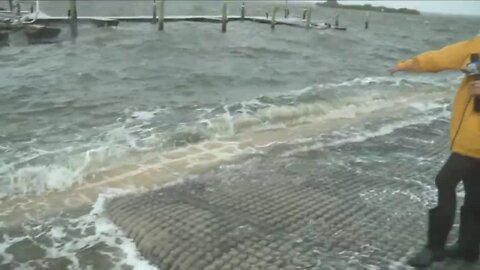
40,170
360,135
408,81
38,179
135,137
275,116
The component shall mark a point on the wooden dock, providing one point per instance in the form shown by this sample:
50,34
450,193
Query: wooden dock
115,20
37,21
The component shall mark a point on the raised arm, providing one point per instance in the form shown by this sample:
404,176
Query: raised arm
450,57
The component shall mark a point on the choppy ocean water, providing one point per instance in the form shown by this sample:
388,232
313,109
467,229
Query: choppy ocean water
131,108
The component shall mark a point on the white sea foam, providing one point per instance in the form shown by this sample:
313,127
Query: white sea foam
363,135
69,237
408,80
427,106
146,115
38,179
70,164
132,140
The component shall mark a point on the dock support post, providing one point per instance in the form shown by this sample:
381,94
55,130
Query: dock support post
287,11
367,18
309,19
242,12
18,8
10,5
224,18
154,11
304,15
274,15
161,15
73,19
336,20
4,36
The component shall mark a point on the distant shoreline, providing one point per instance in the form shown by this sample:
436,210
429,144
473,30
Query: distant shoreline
368,7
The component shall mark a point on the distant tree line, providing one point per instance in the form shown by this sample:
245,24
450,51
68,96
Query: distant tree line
368,7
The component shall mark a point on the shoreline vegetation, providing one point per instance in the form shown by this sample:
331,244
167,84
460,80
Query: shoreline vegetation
368,7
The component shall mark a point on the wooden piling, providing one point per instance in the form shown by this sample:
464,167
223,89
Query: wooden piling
10,5
154,11
161,15
337,23
274,20
19,8
304,15
73,19
242,12
286,10
367,18
4,36
309,19
224,18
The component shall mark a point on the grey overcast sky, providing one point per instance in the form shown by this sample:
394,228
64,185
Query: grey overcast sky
446,7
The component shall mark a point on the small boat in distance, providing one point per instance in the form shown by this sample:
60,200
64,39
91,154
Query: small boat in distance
35,33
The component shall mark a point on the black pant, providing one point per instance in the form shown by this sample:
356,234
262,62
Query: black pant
458,168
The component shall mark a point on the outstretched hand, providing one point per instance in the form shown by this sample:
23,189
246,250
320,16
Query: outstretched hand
408,65
394,69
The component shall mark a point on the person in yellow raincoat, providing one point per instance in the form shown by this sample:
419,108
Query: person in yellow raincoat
464,161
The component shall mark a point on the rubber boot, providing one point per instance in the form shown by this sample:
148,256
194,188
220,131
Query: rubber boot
439,226
467,246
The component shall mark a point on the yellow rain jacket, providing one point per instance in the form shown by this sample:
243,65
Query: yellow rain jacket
465,124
